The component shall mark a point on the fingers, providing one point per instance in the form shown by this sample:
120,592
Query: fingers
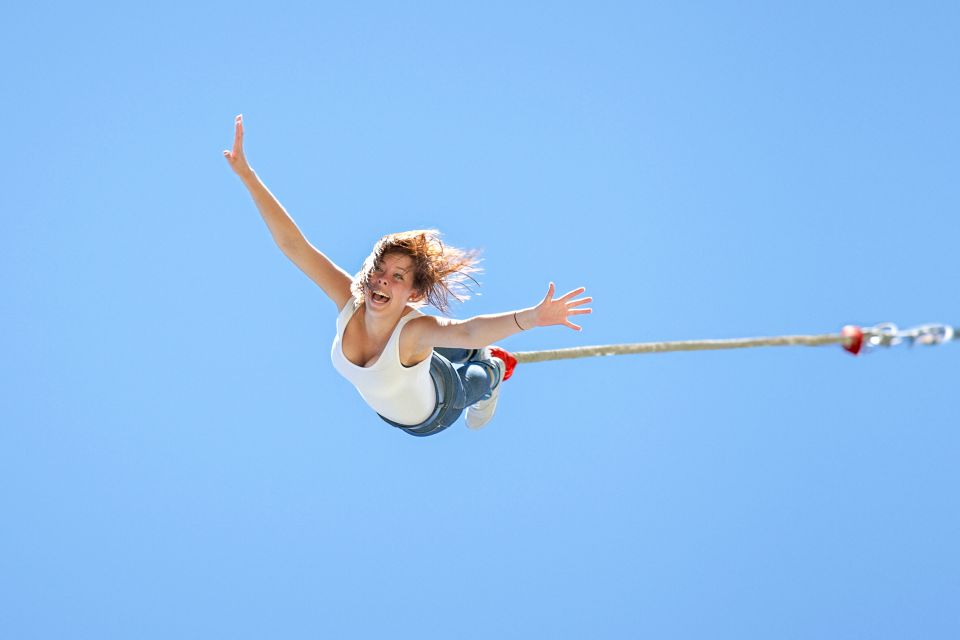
238,135
550,291
575,292
563,308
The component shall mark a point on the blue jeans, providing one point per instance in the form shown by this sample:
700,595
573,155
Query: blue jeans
457,387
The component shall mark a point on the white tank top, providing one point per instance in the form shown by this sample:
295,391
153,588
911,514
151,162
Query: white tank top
405,395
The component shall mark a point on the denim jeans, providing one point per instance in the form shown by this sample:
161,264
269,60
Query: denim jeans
460,378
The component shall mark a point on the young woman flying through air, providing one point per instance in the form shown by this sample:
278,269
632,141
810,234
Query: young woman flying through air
418,372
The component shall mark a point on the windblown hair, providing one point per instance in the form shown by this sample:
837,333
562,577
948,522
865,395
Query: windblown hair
440,272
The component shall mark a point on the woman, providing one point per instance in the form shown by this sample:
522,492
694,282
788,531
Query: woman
418,372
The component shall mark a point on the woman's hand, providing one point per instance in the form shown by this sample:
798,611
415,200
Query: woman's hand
235,158
550,312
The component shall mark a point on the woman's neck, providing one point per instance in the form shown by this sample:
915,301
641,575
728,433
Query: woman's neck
380,327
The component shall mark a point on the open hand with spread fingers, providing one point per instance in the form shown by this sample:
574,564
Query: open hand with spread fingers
235,158
550,312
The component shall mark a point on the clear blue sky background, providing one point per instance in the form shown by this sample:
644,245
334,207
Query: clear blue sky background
178,458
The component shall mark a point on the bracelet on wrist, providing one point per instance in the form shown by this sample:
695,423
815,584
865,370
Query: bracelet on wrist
517,321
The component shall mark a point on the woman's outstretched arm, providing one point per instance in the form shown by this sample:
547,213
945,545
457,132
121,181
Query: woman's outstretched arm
481,331
334,281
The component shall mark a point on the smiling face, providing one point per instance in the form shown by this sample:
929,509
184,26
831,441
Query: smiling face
391,283
433,272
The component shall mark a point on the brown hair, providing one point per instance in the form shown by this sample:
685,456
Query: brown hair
439,271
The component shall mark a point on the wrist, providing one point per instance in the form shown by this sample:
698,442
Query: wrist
525,319
248,177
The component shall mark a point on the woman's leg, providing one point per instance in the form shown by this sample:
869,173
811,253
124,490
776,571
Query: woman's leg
478,375
479,378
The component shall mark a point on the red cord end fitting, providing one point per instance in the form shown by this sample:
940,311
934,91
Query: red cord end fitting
507,358
855,334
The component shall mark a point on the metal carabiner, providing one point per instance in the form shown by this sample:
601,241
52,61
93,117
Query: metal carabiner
882,335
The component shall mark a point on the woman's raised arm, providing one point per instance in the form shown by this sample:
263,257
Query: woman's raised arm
334,281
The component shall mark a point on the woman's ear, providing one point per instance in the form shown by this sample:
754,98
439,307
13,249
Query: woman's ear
416,296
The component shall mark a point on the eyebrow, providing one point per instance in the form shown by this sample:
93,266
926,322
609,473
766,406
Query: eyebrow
381,268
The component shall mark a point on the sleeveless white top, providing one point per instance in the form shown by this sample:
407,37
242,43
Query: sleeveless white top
405,395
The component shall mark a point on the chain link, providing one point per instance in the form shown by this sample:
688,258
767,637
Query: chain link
888,335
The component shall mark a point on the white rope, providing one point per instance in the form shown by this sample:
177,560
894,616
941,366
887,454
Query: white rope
885,335
684,345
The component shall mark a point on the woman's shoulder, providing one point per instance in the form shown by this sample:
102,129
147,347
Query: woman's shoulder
415,322
416,326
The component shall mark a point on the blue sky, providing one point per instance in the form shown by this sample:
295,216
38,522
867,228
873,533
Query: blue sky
179,459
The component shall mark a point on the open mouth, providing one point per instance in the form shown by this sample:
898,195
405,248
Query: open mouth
380,297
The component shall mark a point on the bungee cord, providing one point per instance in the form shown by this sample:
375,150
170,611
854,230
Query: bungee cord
852,338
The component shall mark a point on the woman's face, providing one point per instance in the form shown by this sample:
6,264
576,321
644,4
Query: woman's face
391,283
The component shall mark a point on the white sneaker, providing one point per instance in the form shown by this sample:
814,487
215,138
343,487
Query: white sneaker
479,413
